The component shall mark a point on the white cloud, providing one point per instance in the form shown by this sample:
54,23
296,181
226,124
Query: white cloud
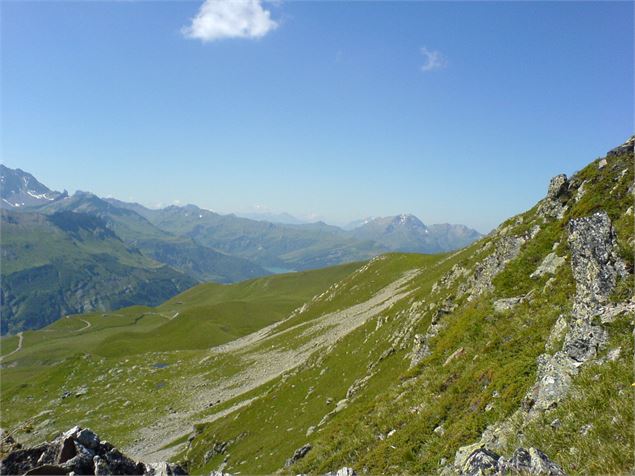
434,60
218,19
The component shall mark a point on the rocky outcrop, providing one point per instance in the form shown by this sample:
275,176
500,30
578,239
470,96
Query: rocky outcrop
482,461
298,455
531,461
595,262
554,204
596,267
625,148
79,451
506,249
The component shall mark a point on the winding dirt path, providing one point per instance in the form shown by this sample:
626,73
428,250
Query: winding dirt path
17,349
88,324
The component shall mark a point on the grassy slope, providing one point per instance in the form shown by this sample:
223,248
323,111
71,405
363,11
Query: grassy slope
499,358
67,354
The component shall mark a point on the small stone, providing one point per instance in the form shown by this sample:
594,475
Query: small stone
555,424
341,405
439,430
489,407
457,353
586,429
602,163
549,265
310,430
342,472
504,305
614,354
83,390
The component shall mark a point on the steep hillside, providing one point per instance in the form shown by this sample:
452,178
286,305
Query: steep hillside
511,355
71,263
523,339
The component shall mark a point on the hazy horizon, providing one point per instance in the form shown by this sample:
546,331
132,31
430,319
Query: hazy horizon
325,111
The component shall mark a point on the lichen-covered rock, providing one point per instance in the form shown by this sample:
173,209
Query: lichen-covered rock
595,262
481,462
532,461
463,453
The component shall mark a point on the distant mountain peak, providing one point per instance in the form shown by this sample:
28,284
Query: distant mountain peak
20,189
407,219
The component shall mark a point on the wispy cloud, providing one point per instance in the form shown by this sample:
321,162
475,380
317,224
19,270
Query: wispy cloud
218,19
434,60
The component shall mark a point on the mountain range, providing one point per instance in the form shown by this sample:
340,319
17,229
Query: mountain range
512,355
196,245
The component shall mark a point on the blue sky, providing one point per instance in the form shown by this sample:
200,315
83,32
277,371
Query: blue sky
456,112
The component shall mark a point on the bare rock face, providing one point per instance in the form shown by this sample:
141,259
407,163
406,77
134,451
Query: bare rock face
80,451
594,260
